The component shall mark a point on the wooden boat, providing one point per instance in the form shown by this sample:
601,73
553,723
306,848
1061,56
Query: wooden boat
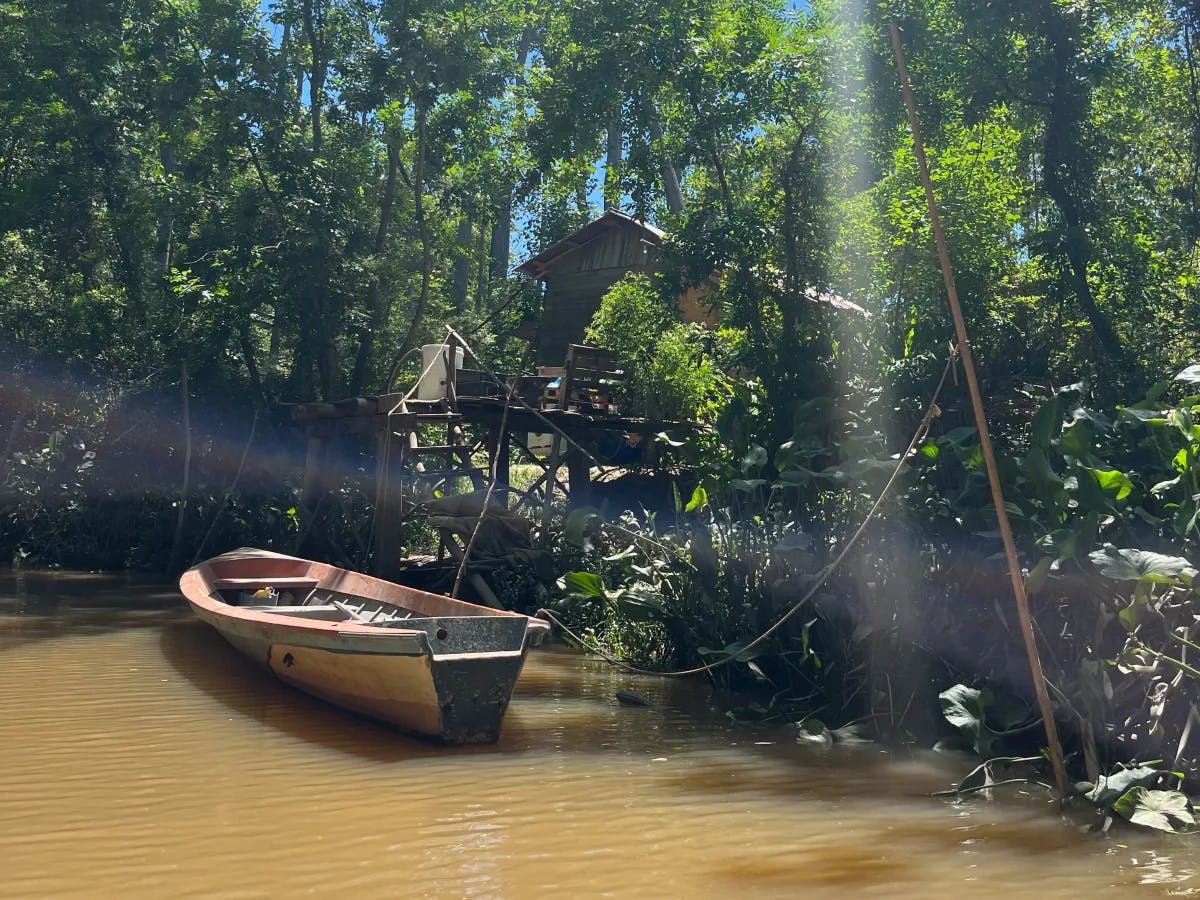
432,666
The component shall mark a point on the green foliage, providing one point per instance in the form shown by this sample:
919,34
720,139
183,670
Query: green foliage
1108,789
674,371
287,199
1160,810
682,380
630,320
1128,792
983,717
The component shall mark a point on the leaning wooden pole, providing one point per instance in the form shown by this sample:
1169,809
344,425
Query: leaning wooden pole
985,440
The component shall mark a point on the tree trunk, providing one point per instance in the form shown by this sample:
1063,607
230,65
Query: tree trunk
1060,177
481,267
166,219
501,244
612,164
325,315
248,354
377,305
501,239
670,177
320,69
418,187
460,276
186,489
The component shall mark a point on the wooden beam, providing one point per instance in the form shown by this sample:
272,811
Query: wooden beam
579,472
389,489
313,484
556,443
498,450
1024,618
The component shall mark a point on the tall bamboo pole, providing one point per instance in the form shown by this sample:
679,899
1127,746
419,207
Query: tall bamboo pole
985,439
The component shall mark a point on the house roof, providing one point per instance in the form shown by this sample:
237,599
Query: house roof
536,267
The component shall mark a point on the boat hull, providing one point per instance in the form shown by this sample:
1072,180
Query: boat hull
446,676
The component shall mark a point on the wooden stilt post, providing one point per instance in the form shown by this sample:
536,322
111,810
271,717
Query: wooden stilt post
556,444
579,477
985,440
498,446
389,457
552,471
314,471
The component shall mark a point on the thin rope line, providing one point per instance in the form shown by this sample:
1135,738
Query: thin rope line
931,412
487,497
228,491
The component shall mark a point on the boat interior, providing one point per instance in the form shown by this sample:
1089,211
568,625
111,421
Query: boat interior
304,598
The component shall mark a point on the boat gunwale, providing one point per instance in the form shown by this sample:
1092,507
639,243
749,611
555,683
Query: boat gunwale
197,585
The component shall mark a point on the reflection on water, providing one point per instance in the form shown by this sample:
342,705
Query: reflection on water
143,757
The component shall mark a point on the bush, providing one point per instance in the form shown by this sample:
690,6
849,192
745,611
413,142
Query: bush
682,380
674,370
631,318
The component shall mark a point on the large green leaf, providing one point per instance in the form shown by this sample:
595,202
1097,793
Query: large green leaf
737,650
1190,375
1115,484
963,708
1161,810
1036,469
1047,423
754,460
1148,416
640,603
580,524
583,583
1076,441
1141,565
1109,788
1038,575
958,436
983,716
1085,488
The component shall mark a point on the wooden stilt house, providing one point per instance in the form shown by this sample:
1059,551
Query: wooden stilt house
579,269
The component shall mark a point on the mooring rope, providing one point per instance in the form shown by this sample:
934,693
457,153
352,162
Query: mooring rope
931,412
922,430
229,490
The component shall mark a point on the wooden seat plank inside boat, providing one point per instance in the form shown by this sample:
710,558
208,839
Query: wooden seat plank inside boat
324,612
245,584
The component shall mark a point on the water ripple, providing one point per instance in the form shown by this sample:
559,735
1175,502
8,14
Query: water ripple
152,760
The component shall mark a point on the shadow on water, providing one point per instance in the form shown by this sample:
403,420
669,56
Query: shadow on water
561,705
203,658
564,703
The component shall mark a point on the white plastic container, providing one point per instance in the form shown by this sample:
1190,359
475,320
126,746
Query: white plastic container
432,385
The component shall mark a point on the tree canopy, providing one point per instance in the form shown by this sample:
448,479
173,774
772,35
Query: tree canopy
292,194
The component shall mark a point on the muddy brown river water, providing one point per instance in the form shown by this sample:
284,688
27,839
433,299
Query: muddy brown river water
141,757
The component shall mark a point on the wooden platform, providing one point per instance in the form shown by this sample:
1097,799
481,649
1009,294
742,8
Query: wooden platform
476,424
